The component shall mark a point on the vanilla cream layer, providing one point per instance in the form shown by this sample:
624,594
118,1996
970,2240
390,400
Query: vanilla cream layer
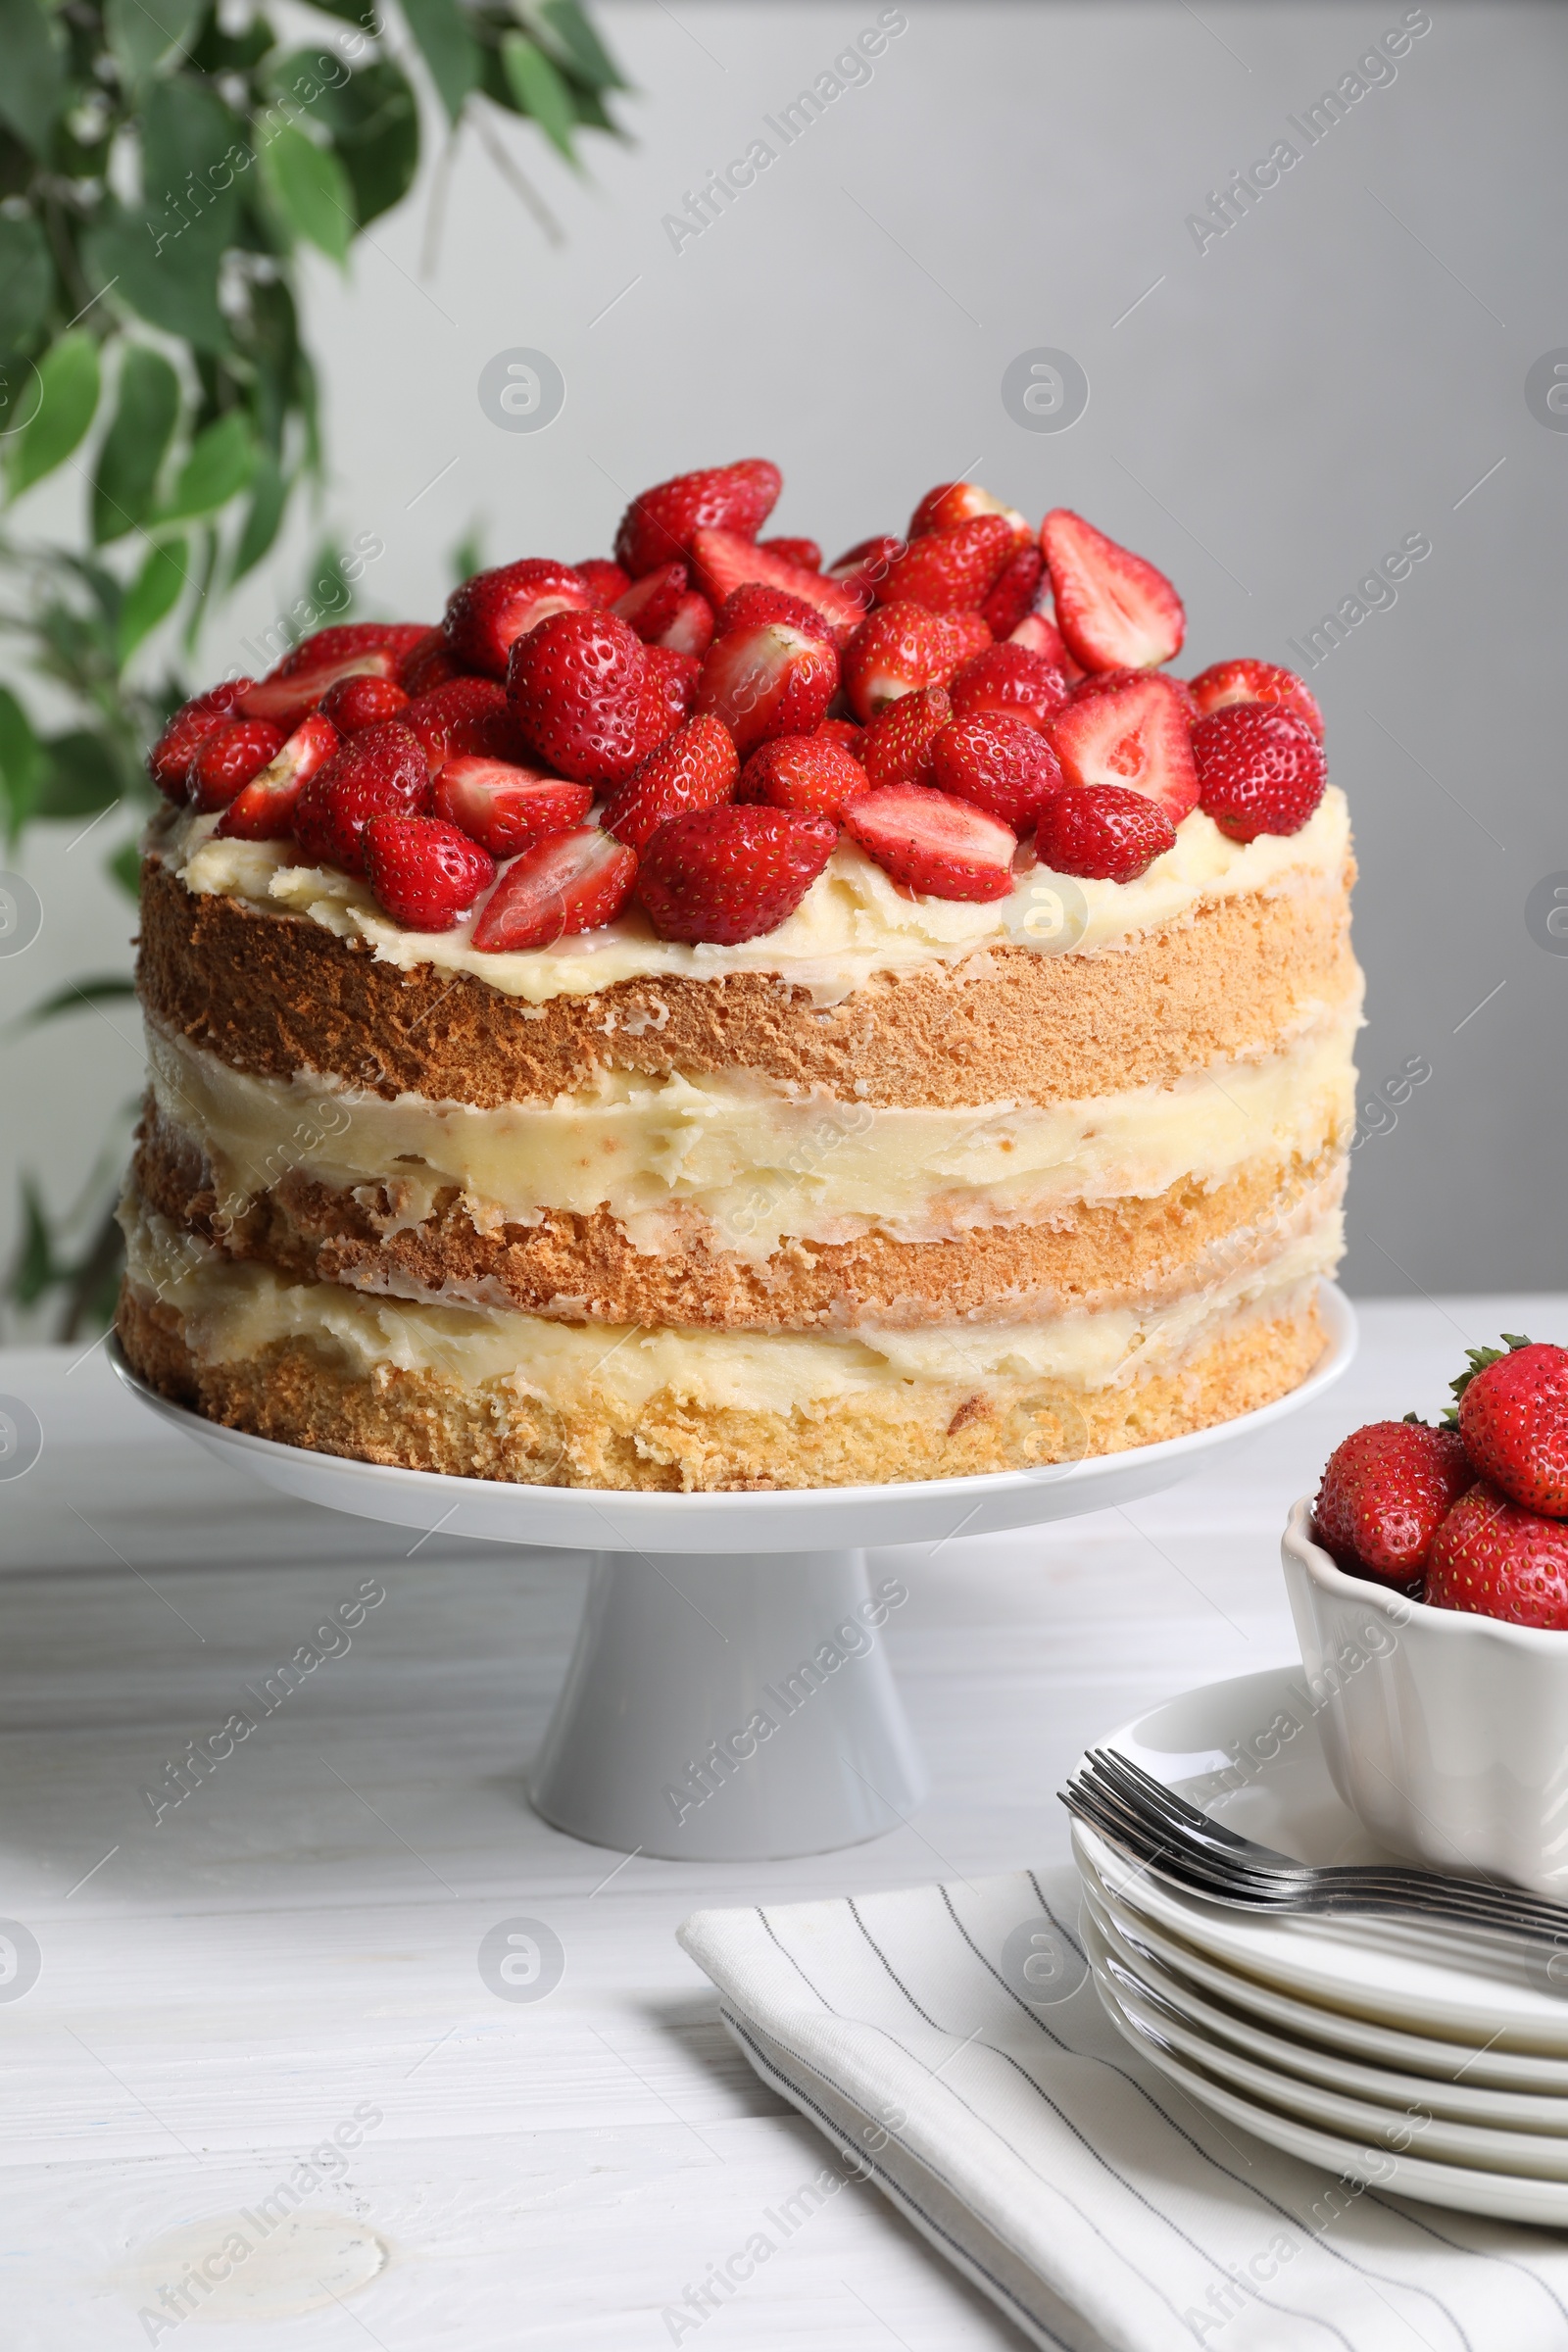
234,1312
853,923
757,1162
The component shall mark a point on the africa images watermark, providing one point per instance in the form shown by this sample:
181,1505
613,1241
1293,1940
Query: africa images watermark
1229,206
1376,592
791,2215
850,69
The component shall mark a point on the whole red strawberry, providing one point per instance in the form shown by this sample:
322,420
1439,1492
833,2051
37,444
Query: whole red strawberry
951,571
1102,832
168,760
381,771
657,526
1248,681
465,718
1010,678
671,679
697,768
425,872
1513,1418
489,613
355,703
896,746
1386,1489
1000,764
813,774
427,665
1257,770
575,683
225,761
900,648
728,874
1495,1558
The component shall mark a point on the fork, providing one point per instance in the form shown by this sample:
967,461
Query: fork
1193,1851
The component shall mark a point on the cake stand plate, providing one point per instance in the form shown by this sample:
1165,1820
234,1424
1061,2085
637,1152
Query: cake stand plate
729,1697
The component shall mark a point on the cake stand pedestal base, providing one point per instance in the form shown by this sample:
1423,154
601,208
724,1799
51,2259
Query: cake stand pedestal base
730,1706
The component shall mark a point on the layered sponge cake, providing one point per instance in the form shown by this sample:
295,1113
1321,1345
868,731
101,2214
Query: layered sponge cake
746,1024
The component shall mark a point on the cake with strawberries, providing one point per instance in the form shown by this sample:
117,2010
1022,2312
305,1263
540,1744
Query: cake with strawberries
709,1019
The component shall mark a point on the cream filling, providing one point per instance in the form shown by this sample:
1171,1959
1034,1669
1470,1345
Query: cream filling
756,1164
234,1312
853,923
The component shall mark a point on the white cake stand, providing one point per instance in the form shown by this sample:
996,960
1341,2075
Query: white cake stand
729,1697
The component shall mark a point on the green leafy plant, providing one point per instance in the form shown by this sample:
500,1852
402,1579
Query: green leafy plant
159,172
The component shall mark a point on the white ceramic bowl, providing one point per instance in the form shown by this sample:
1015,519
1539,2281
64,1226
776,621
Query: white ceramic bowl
1446,1733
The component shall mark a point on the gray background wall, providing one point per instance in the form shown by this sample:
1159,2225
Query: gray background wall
1267,418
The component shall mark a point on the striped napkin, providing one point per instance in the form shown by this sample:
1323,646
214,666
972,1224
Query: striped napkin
949,2043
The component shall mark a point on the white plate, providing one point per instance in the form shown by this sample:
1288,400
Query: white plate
1501,2196
1383,1970
1450,2084
1408,2120
789,1519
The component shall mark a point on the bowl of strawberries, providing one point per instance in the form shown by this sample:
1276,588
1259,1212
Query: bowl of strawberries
1429,1584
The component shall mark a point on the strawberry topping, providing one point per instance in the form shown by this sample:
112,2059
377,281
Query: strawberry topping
488,614
1012,598
427,665
347,637
1247,681
896,748
1257,770
466,717
1010,680
571,882
171,755
659,527
697,768
1102,832
804,552
651,603
691,631
903,646
227,759
813,774
426,872
1000,764
728,874
769,679
264,809
355,703
951,571
576,685
287,695
1135,735
605,582
933,843
725,562
1113,609
503,808
381,771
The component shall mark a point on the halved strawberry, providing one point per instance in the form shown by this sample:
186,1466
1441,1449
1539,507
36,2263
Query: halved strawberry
1039,634
571,882
1257,770
382,772
660,523
264,809
951,503
1103,831
503,806
862,569
769,679
576,684
951,571
896,748
396,637
1135,735
171,755
998,763
1113,609
1013,596
756,604
225,761
934,844
466,717
691,631
426,872
671,678
488,614
651,603
696,768
723,562
900,648
604,580
426,665
1247,681
286,695
804,552
1012,680
812,774
355,703
728,874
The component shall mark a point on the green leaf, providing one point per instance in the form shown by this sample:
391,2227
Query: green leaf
168,275
221,461
67,378
540,91
1479,1360
141,37
467,557
27,279
152,596
33,1271
33,82
269,500
560,26
311,191
375,121
192,146
135,444
21,762
350,12
76,996
218,52
82,776
124,867
448,48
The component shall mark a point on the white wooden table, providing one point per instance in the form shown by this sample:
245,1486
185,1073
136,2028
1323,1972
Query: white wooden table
226,1988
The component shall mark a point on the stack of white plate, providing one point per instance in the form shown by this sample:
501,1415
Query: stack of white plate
1427,2064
